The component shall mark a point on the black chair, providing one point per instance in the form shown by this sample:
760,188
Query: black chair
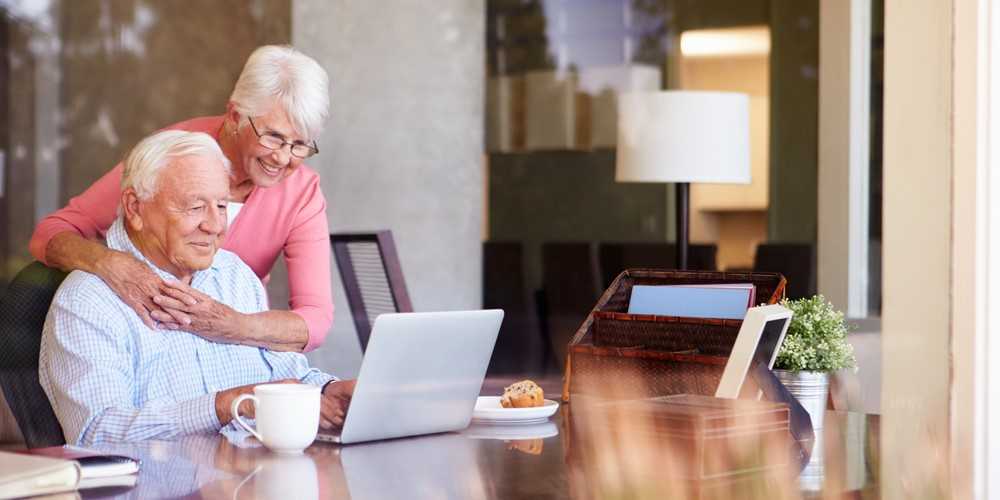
22,315
372,276
520,348
571,286
616,257
797,261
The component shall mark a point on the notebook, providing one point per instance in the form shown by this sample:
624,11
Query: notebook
723,301
97,469
24,475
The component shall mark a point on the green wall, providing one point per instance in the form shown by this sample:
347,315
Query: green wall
794,120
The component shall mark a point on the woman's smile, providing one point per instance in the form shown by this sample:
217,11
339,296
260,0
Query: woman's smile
269,170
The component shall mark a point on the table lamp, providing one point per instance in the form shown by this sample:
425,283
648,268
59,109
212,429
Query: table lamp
683,137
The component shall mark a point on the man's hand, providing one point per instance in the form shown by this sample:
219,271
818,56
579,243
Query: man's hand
134,282
334,403
224,400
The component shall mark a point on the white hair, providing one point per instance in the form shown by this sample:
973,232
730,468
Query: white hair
147,159
296,81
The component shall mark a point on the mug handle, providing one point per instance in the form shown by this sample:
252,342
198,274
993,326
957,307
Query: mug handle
236,414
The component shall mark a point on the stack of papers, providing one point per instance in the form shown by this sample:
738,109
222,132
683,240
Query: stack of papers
63,468
722,301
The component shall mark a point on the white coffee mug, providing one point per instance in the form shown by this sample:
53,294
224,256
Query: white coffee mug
287,415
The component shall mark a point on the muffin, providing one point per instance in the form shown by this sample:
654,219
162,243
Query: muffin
523,394
529,446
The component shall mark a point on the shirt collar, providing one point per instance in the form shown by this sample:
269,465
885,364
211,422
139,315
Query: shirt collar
118,239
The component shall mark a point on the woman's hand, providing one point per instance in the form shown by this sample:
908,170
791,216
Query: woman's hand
184,308
134,282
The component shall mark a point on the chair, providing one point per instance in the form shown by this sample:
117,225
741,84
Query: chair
519,348
572,286
616,257
373,279
22,315
797,261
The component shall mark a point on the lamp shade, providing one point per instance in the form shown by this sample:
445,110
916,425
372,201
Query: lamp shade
683,136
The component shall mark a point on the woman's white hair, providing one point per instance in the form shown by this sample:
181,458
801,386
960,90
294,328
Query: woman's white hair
147,159
292,79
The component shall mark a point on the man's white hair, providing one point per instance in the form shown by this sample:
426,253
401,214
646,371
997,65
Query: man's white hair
293,80
147,159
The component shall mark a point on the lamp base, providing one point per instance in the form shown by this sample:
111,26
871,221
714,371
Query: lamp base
683,217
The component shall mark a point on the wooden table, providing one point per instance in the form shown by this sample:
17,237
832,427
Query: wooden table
485,462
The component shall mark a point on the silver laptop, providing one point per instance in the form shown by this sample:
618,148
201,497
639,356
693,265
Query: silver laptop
421,374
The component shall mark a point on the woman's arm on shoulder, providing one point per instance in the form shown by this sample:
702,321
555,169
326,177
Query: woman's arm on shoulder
66,239
86,217
307,258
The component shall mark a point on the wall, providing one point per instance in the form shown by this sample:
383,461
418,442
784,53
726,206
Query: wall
733,216
974,302
403,148
19,144
792,77
845,163
131,67
917,264
569,196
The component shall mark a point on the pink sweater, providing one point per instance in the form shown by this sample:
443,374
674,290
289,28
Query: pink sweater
289,217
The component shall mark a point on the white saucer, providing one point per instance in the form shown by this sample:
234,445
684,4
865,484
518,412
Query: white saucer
543,430
489,411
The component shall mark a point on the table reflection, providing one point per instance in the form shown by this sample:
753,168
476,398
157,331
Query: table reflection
566,457
282,476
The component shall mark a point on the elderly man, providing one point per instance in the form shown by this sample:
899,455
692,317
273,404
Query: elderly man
112,378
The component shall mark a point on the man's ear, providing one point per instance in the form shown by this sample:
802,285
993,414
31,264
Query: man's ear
130,209
232,115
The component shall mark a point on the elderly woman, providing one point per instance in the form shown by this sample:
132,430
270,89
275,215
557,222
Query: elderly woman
276,111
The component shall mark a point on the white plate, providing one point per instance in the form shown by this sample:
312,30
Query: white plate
489,411
543,430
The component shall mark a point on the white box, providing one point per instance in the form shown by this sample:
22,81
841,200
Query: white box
550,110
504,113
602,84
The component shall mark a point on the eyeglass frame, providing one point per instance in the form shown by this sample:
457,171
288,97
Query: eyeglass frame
314,148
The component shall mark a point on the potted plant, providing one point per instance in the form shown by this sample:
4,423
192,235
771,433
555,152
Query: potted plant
815,345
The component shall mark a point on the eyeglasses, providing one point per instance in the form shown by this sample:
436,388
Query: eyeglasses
274,141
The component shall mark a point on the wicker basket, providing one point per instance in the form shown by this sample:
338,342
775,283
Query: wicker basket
665,333
619,355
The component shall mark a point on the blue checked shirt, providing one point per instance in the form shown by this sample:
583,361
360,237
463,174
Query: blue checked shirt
109,377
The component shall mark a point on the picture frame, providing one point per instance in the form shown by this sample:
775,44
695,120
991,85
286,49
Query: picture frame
758,342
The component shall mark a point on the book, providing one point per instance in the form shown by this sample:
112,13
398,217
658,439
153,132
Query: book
93,464
723,301
742,286
24,475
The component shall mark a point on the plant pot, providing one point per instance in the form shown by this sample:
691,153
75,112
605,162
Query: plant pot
811,389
